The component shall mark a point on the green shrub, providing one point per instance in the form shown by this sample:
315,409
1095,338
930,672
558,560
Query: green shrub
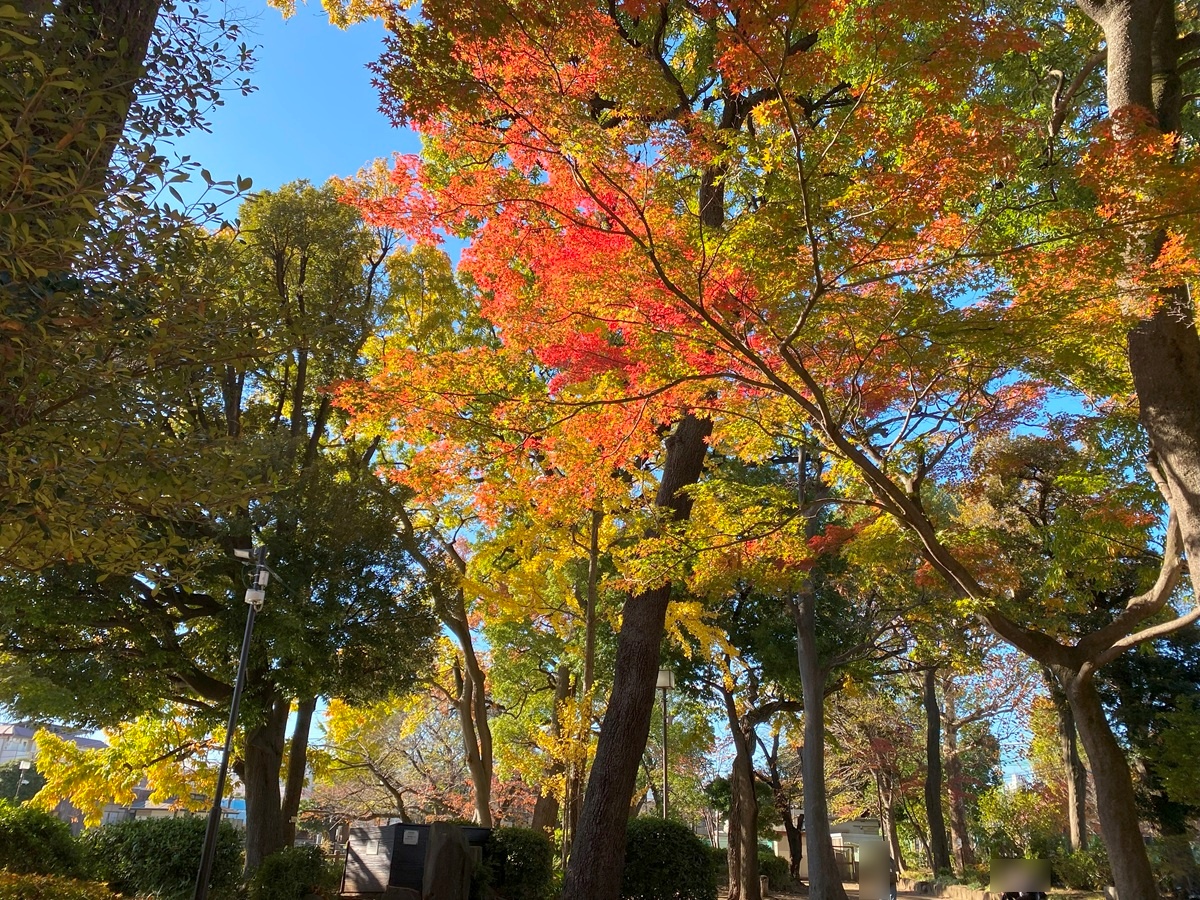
520,864
1082,870
775,868
293,874
35,842
161,856
664,860
50,887
719,857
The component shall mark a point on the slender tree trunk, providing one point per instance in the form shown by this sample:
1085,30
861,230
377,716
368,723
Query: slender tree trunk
1115,798
598,851
297,768
897,853
476,733
933,775
743,812
259,771
824,880
1076,774
959,829
545,811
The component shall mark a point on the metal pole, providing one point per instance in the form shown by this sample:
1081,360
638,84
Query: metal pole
664,693
254,597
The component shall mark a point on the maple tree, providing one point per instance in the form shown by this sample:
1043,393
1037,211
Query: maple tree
654,164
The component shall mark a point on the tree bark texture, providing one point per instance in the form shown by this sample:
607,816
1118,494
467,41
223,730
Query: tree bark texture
824,880
598,851
1076,774
964,853
259,771
743,812
938,848
1115,798
297,768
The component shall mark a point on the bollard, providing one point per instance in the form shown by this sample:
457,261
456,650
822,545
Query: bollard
763,884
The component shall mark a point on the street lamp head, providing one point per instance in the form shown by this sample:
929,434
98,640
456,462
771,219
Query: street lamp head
666,679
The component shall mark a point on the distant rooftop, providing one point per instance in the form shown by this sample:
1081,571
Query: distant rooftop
26,730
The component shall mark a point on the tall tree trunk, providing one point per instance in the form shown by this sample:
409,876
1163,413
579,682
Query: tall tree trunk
743,811
1142,44
887,822
259,771
783,808
477,732
1076,774
1115,798
824,880
598,851
297,768
959,829
933,774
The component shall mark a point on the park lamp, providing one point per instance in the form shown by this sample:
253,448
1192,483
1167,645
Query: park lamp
22,767
666,682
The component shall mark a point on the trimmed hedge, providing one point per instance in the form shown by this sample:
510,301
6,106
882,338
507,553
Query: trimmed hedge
50,887
520,864
664,860
35,842
161,856
293,874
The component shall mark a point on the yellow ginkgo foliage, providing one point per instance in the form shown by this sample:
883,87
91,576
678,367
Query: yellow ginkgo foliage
168,751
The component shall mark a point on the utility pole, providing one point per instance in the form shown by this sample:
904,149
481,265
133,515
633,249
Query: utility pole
255,595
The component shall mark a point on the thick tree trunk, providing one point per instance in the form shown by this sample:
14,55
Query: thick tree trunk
598,851
1164,356
1115,798
297,768
933,775
1076,774
824,880
1164,350
259,772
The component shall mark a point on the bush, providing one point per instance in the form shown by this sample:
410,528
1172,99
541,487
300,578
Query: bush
1082,870
161,856
293,874
719,857
664,860
50,887
775,868
520,864
35,842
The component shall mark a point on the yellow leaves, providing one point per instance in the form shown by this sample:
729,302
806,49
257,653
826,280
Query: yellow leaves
690,618
166,750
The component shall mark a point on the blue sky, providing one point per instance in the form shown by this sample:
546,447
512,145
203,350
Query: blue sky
315,113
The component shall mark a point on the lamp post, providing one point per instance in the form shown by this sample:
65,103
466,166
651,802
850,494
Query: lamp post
22,767
666,681
255,594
